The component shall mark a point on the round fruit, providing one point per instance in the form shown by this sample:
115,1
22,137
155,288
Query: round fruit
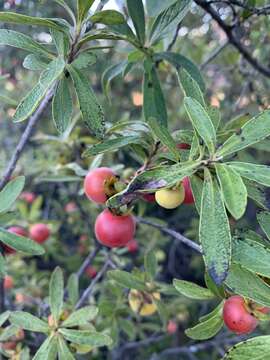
171,327
28,197
237,317
95,184
189,199
18,231
149,198
39,233
183,146
142,302
8,282
170,198
132,246
91,271
113,230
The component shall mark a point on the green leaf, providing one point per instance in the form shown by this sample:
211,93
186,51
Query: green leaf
109,74
167,21
214,231
48,349
3,271
20,243
243,282
28,322
3,317
21,41
62,106
197,188
10,193
83,7
150,263
111,145
215,115
35,62
154,7
163,134
61,42
217,310
255,130
90,108
81,316
63,350
108,17
85,337
192,291
254,172
136,12
201,122
29,104
126,279
258,193
233,190
207,328
16,18
73,289
263,218
214,288
181,62
84,60
190,86
251,255
8,332
256,348
56,293
152,180
154,105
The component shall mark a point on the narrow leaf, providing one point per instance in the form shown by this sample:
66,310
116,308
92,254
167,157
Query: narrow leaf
126,279
63,350
109,74
245,283
35,62
73,289
56,293
83,7
108,17
84,60
85,337
20,243
233,190
206,329
192,291
136,12
150,263
214,231
81,316
256,348
263,218
62,106
28,322
10,193
255,130
201,122
254,172
154,105
29,104
48,350
91,110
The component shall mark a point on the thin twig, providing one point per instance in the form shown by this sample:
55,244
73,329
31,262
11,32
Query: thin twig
87,292
176,235
88,260
232,38
213,55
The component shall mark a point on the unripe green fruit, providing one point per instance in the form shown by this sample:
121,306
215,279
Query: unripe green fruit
170,198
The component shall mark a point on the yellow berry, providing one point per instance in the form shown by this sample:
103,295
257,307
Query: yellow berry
170,198
143,303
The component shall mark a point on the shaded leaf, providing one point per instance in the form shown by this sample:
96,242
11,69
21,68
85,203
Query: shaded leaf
56,293
263,218
28,321
254,172
214,231
256,348
85,337
192,290
108,17
63,351
110,73
81,316
35,62
10,193
62,106
126,279
136,12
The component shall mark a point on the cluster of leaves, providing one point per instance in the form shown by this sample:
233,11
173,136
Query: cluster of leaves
221,185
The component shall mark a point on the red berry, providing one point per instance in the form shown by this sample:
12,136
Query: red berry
149,197
18,231
189,199
39,233
28,197
8,282
171,327
132,246
183,146
237,317
71,207
91,271
94,184
113,230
